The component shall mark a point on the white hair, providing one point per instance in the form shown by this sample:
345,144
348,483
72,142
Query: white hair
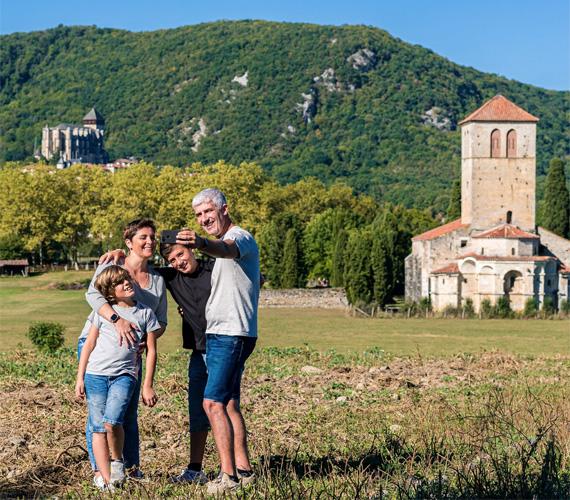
211,194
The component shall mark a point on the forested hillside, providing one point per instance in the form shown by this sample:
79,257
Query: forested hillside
347,102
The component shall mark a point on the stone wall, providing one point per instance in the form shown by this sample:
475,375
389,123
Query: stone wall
320,298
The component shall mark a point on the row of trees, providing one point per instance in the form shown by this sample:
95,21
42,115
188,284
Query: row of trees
306,231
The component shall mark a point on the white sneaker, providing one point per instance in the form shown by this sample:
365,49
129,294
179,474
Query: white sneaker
117,472
222,484
190,476
100,484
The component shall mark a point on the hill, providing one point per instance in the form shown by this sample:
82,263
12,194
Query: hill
350,103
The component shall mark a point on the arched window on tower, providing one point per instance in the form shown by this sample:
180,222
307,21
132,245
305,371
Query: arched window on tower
511,143
495,144
509,217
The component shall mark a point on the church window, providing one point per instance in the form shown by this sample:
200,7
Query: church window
511,143
512,251
482,251
509,217
463,243
495,143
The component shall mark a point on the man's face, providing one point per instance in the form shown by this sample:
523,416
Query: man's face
212,219
182,259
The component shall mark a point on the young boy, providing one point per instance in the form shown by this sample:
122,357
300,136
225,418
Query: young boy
107,372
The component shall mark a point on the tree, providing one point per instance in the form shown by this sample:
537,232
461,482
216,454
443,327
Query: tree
556,215
338,263
382,267
358,271
291,277
454,207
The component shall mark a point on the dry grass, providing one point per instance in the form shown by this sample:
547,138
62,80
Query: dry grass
490,425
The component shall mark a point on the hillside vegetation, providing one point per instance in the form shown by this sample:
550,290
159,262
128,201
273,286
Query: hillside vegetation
349,103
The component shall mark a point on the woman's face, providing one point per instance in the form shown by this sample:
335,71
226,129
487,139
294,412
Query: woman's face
143,243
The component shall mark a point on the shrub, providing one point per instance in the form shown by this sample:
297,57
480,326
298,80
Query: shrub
486,308
530,307
47,337
565,306
548,306
449,311
468,309
503,307
424,306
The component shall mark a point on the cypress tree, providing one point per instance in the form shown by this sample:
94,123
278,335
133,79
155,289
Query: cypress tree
271,253
382,268
291,275
339,258
557,200
454,207
358,271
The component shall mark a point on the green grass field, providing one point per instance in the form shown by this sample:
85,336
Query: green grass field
24,300
436,415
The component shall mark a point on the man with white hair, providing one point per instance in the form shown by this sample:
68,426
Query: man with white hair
231,332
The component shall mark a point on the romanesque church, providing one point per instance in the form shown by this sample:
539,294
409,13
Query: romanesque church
495,248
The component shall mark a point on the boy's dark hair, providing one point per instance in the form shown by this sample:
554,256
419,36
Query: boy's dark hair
108,279
132,227
165,249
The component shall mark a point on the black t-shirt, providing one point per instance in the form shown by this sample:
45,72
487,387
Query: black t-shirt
191,293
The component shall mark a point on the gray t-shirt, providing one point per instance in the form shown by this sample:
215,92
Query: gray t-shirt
232,306
153,296
111,359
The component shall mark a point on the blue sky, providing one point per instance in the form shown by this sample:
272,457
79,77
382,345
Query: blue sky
526,40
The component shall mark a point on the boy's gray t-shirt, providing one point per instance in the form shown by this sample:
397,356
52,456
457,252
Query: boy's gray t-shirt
153,296
232,306
111,359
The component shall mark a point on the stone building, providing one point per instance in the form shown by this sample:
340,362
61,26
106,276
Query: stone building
495,248
76,143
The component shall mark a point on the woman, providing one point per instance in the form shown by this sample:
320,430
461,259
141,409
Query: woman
150,289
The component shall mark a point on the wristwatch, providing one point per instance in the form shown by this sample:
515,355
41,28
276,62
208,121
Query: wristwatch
114,318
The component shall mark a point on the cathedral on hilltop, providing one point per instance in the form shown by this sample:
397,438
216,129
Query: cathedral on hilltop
76,143
495,248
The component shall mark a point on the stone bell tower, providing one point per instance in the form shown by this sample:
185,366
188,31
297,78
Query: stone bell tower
498,166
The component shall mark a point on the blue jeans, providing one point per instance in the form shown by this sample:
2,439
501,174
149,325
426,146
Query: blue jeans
197,378
108,398
130,425
225,358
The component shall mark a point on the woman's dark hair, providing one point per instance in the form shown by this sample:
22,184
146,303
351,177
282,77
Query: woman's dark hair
134,226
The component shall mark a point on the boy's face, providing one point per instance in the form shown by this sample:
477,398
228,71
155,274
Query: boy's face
124,290
182,259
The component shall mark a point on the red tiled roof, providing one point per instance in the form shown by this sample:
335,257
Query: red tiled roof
506,231
449,269
499,109
510,258
18,262
440,231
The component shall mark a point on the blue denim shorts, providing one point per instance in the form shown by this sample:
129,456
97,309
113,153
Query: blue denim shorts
225,358
197,378
108,399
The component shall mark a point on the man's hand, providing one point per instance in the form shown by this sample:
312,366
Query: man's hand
189,238
116,256
79,390
149,396
125,330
